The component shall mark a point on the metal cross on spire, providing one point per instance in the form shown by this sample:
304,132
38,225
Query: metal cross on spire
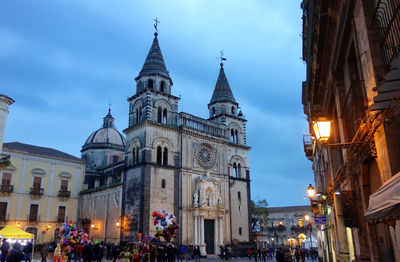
221,57
109,107
156,24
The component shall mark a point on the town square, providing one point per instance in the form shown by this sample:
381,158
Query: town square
171,131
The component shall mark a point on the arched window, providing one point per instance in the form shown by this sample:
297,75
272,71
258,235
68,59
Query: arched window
162,86
32,230
137,155
165,157
236,137
239,170
150,83
235,171
163,183
140,114
232,136
159,154
133,156
213,111
165,116
159,115
233,110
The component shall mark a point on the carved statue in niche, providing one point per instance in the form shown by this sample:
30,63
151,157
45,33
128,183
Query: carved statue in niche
195,198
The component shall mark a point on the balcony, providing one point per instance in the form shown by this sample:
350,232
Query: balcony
60,218
33,218
64,193
36,191
6,188
308,146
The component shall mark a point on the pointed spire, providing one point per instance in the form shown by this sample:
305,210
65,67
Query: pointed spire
108,120
222,91
154,63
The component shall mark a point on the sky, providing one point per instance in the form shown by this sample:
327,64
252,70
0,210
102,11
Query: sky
64,61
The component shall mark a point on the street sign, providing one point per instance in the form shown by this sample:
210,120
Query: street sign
320,220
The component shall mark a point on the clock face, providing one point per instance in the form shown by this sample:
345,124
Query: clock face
205,156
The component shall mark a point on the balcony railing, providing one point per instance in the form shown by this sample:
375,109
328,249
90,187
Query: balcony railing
6,188
64,193
202,125
61,218
36,191
387,19
33,217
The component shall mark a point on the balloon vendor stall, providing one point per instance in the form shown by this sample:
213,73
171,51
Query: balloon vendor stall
165,224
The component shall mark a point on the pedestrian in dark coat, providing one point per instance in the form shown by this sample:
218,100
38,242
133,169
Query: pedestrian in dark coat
5,247
87,253
98,252
16,254
44,252
28,251
115,252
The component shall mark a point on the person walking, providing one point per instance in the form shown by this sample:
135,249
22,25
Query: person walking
5,247
28,251
78,252
44,252
16,254
115,252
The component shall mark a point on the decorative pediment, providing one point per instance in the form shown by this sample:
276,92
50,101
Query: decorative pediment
207,192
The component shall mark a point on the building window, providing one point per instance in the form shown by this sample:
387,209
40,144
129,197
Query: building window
165,157
236,137
150,83
233,110
159,155
3,211
159,115
240,231
163,183
133,156
37,182
232,136
61,214
239,170
33,213
57,234
165,116
32,230
162,86
64,185
235,171
6,179
115,159
213,111
239,196
137,155
247,174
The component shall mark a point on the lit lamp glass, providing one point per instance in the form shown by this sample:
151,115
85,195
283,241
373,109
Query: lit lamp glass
117,224
311,191
322,129
92,225
307,218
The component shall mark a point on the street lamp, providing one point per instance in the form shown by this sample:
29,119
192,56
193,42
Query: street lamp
322,129
311,191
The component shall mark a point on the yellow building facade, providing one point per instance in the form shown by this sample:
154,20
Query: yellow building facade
40,189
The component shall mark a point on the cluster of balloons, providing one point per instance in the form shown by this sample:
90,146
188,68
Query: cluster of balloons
70,234
166,225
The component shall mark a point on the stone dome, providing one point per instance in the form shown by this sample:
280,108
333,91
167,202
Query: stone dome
105,137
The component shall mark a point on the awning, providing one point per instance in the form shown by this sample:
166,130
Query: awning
11,231
384,204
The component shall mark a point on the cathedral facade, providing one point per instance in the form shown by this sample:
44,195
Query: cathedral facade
196,168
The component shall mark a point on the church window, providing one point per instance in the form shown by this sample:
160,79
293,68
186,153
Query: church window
236,137
213,111
163,183
239,170
162,86
150,83
235,171
137,155
233,110
239,196
115,159
240,231
159,153
232,136
165,116
165,157
137,115
159,115
133,156
247,174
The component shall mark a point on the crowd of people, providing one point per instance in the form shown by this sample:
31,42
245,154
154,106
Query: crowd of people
98,251
282,254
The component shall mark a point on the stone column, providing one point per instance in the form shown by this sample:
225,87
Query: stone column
202,244
341,231
5,101
195,233
221,230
